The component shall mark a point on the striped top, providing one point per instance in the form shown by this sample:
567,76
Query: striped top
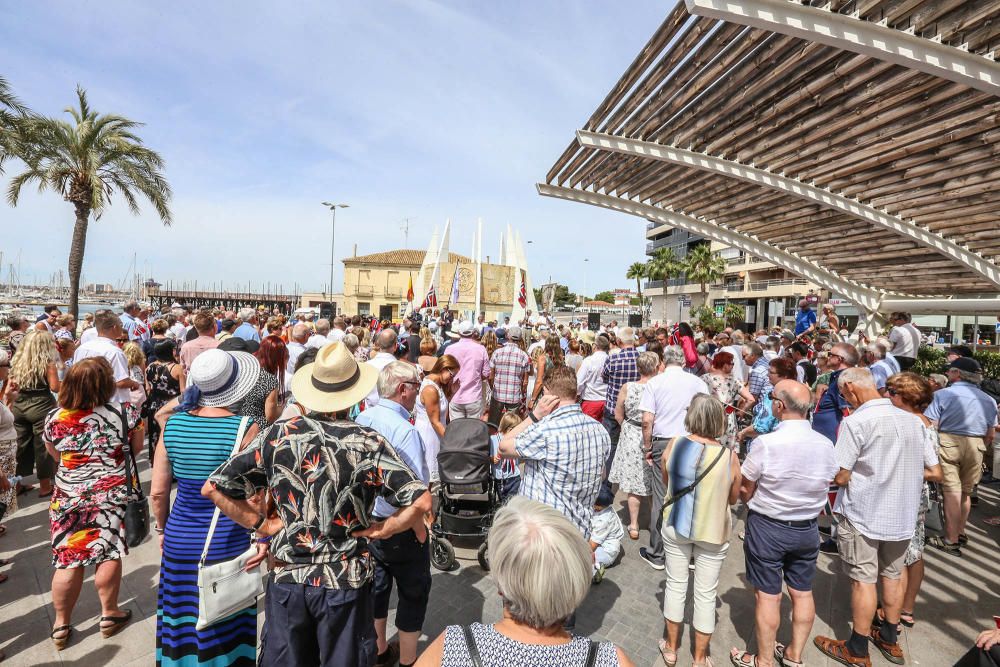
703,514
196,446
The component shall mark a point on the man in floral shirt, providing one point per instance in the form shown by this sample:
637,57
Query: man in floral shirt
323,474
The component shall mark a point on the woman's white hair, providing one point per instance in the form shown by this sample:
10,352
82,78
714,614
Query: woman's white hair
673,355
393,375
540,561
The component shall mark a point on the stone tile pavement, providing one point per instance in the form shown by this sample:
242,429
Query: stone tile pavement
958,599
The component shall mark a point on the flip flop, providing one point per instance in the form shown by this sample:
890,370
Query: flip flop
117,623
633,533
24,488
61,642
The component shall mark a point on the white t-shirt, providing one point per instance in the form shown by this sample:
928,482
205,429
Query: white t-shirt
317,341
793,466
105,347
336,335
379,361
668,396
88,335
590,385
905,341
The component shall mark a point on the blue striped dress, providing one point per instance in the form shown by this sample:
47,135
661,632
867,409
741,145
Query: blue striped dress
196,446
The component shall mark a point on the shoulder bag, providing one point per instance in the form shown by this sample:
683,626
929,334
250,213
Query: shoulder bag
137,508
226,588
697,480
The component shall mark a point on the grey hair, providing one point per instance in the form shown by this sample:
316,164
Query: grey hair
754,349
942,380
648,363
602,342
131,304
703,348
300,331
351,341
673,355
527,543
322,326
796,407
386,340
246,314
393,375
737,337
626,335
847,352
860,377
971,378
876,349
705,416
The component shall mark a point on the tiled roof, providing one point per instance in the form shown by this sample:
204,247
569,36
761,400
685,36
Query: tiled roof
403,257
597,303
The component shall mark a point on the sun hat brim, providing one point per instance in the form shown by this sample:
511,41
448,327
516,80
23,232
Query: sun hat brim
318,400
247,374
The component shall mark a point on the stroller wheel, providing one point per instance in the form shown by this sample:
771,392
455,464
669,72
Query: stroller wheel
442,554
484,557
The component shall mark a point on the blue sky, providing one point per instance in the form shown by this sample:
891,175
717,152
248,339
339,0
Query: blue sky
262,110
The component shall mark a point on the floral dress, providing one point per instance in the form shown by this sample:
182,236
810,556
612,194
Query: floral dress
727,389
628,468
915,550
87,510
163,387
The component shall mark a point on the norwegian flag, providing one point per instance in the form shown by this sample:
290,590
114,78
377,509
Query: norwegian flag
522,295
431,300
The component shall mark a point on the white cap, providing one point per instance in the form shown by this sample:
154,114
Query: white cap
465,328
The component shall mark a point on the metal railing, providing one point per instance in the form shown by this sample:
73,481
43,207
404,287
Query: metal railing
758,285
364,290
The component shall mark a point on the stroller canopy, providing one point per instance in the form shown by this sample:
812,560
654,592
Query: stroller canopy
464,456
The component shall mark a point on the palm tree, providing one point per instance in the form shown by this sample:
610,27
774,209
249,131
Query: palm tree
86,162
703,266
663,266
638,272
12,112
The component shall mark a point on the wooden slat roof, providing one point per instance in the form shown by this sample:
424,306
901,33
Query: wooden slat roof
905,142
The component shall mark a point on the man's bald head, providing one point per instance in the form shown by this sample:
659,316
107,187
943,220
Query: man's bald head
300,333
795,398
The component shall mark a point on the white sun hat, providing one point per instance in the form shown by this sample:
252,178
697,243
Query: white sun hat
223,378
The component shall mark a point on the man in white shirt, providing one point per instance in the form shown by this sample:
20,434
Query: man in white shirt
338,331
905,339
385,343
319,339
786,476
882,453
296,346
664,405
740,370
591,387
109,334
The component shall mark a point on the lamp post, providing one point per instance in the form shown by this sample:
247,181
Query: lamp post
333,236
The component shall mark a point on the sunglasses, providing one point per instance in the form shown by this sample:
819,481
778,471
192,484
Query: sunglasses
121,340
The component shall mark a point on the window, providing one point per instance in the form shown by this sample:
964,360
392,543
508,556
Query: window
364,308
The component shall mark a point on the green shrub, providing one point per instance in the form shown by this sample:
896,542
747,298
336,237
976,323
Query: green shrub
990,361
930,360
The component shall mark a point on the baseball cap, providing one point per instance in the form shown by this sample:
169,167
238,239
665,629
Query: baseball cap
514,332
966,364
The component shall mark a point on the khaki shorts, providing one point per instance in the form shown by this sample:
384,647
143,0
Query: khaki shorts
864,558
961,461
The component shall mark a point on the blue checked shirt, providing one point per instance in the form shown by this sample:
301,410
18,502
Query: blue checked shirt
563,457
619,369
759,383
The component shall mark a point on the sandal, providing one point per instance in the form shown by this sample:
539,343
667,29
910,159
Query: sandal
944,545
61,642
5,561
837,650
906,618
742,658
117,623
4,578
3,530
879,618
779,656
24,488
708,662
668,654
963,539
633,533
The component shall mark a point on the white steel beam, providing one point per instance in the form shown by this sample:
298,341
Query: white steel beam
958,306
864,296
858,36
731,169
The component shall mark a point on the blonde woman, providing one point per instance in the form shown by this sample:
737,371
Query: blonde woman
363,353
34,377
136,359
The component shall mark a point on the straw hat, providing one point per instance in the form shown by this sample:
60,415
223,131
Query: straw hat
223,378
334,382
587,336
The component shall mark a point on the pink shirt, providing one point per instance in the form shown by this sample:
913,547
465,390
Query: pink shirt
474,367
193,348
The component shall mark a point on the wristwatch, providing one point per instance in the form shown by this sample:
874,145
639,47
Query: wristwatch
260,522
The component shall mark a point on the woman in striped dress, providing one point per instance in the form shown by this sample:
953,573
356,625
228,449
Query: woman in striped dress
197,439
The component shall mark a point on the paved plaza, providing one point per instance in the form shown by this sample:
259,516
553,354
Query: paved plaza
956,601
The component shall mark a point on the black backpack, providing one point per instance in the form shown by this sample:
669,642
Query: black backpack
991,386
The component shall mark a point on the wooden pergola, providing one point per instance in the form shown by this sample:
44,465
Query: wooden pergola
854,143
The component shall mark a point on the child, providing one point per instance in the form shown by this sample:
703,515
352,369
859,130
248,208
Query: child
606,534
505,470
136,360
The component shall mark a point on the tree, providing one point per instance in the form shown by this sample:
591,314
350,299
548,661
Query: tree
704,267
12,115
664,265
605,296
637,272
87,161
734,314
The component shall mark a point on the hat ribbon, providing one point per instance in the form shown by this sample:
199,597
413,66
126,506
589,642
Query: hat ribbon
336,386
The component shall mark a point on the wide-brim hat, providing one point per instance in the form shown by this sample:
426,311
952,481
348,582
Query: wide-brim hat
588,337
466,328
223,378
334,382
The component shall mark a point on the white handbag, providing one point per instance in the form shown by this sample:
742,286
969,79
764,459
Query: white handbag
226,588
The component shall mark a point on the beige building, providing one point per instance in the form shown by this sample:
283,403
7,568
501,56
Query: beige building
769,294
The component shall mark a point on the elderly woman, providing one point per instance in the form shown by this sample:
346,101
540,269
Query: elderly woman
703,479
90,437
628,468
527,543
730,391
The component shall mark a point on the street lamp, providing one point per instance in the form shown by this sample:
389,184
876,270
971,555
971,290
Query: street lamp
333,236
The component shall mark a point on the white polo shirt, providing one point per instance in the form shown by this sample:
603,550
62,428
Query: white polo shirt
107,348
668,396
793,466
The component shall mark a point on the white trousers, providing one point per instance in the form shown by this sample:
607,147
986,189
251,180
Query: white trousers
708,559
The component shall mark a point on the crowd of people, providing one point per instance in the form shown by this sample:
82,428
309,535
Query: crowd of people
312,445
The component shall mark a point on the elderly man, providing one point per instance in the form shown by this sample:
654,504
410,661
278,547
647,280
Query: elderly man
509,369
905,340
966,419
618,370
319,606
880,363
402,558
384,346
882,453
473,368
760,384
319,338
296,346
664,405
338,331
832,407
131,323
248,329
740,370
786,475
592,389
107,344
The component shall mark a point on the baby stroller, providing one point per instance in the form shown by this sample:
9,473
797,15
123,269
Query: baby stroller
467,495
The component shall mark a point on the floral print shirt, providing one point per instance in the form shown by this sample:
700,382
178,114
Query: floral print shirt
324,476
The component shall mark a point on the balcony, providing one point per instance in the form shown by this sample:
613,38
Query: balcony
759,285
364,290
393,292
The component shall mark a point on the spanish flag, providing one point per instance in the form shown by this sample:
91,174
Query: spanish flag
409,290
